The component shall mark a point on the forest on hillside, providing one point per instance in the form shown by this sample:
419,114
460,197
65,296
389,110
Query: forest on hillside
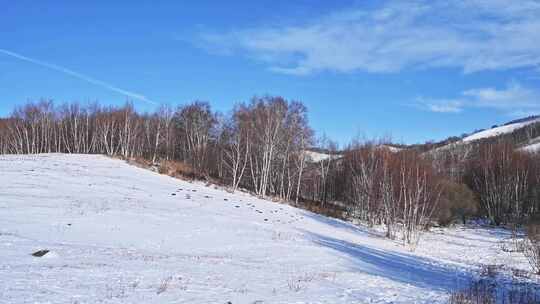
263,146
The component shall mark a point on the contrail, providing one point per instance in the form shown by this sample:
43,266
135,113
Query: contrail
79,76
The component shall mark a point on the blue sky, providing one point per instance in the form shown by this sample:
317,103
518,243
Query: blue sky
413,70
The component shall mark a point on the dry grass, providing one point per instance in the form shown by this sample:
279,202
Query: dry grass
489,290
176,169
328,209
140,162
164,285
183,170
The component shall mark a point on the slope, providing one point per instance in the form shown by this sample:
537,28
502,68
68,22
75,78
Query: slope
121,234
506,129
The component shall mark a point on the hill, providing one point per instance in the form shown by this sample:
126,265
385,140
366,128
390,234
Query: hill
121,234
501,130
523,133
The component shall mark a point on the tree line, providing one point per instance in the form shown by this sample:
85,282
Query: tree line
259,145
264,145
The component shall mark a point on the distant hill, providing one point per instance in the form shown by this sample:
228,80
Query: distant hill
524,133
526,119
504,129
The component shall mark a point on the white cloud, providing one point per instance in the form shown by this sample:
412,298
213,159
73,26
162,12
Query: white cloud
515,100
440,105
473,35
514,96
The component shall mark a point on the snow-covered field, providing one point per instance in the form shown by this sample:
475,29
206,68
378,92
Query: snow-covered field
121,234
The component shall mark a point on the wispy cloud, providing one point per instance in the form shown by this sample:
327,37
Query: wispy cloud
440,105
81,76
474,35
514,99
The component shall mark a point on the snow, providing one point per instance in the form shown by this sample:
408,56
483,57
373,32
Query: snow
122,234
498,130
531,148
487,134
390,148
316,157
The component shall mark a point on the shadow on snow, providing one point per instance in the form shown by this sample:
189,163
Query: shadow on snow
399,267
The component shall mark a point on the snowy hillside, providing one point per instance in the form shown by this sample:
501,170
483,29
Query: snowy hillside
499,130
390,148
493,132
121,234
532,148
315,157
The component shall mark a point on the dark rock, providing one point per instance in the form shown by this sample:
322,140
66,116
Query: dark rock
40,253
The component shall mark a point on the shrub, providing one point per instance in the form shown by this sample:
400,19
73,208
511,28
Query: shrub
491,291
532,243
457,202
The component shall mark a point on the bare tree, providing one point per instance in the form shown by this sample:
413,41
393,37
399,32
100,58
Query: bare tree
532,243
419,195
236,141
500,176
194,123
